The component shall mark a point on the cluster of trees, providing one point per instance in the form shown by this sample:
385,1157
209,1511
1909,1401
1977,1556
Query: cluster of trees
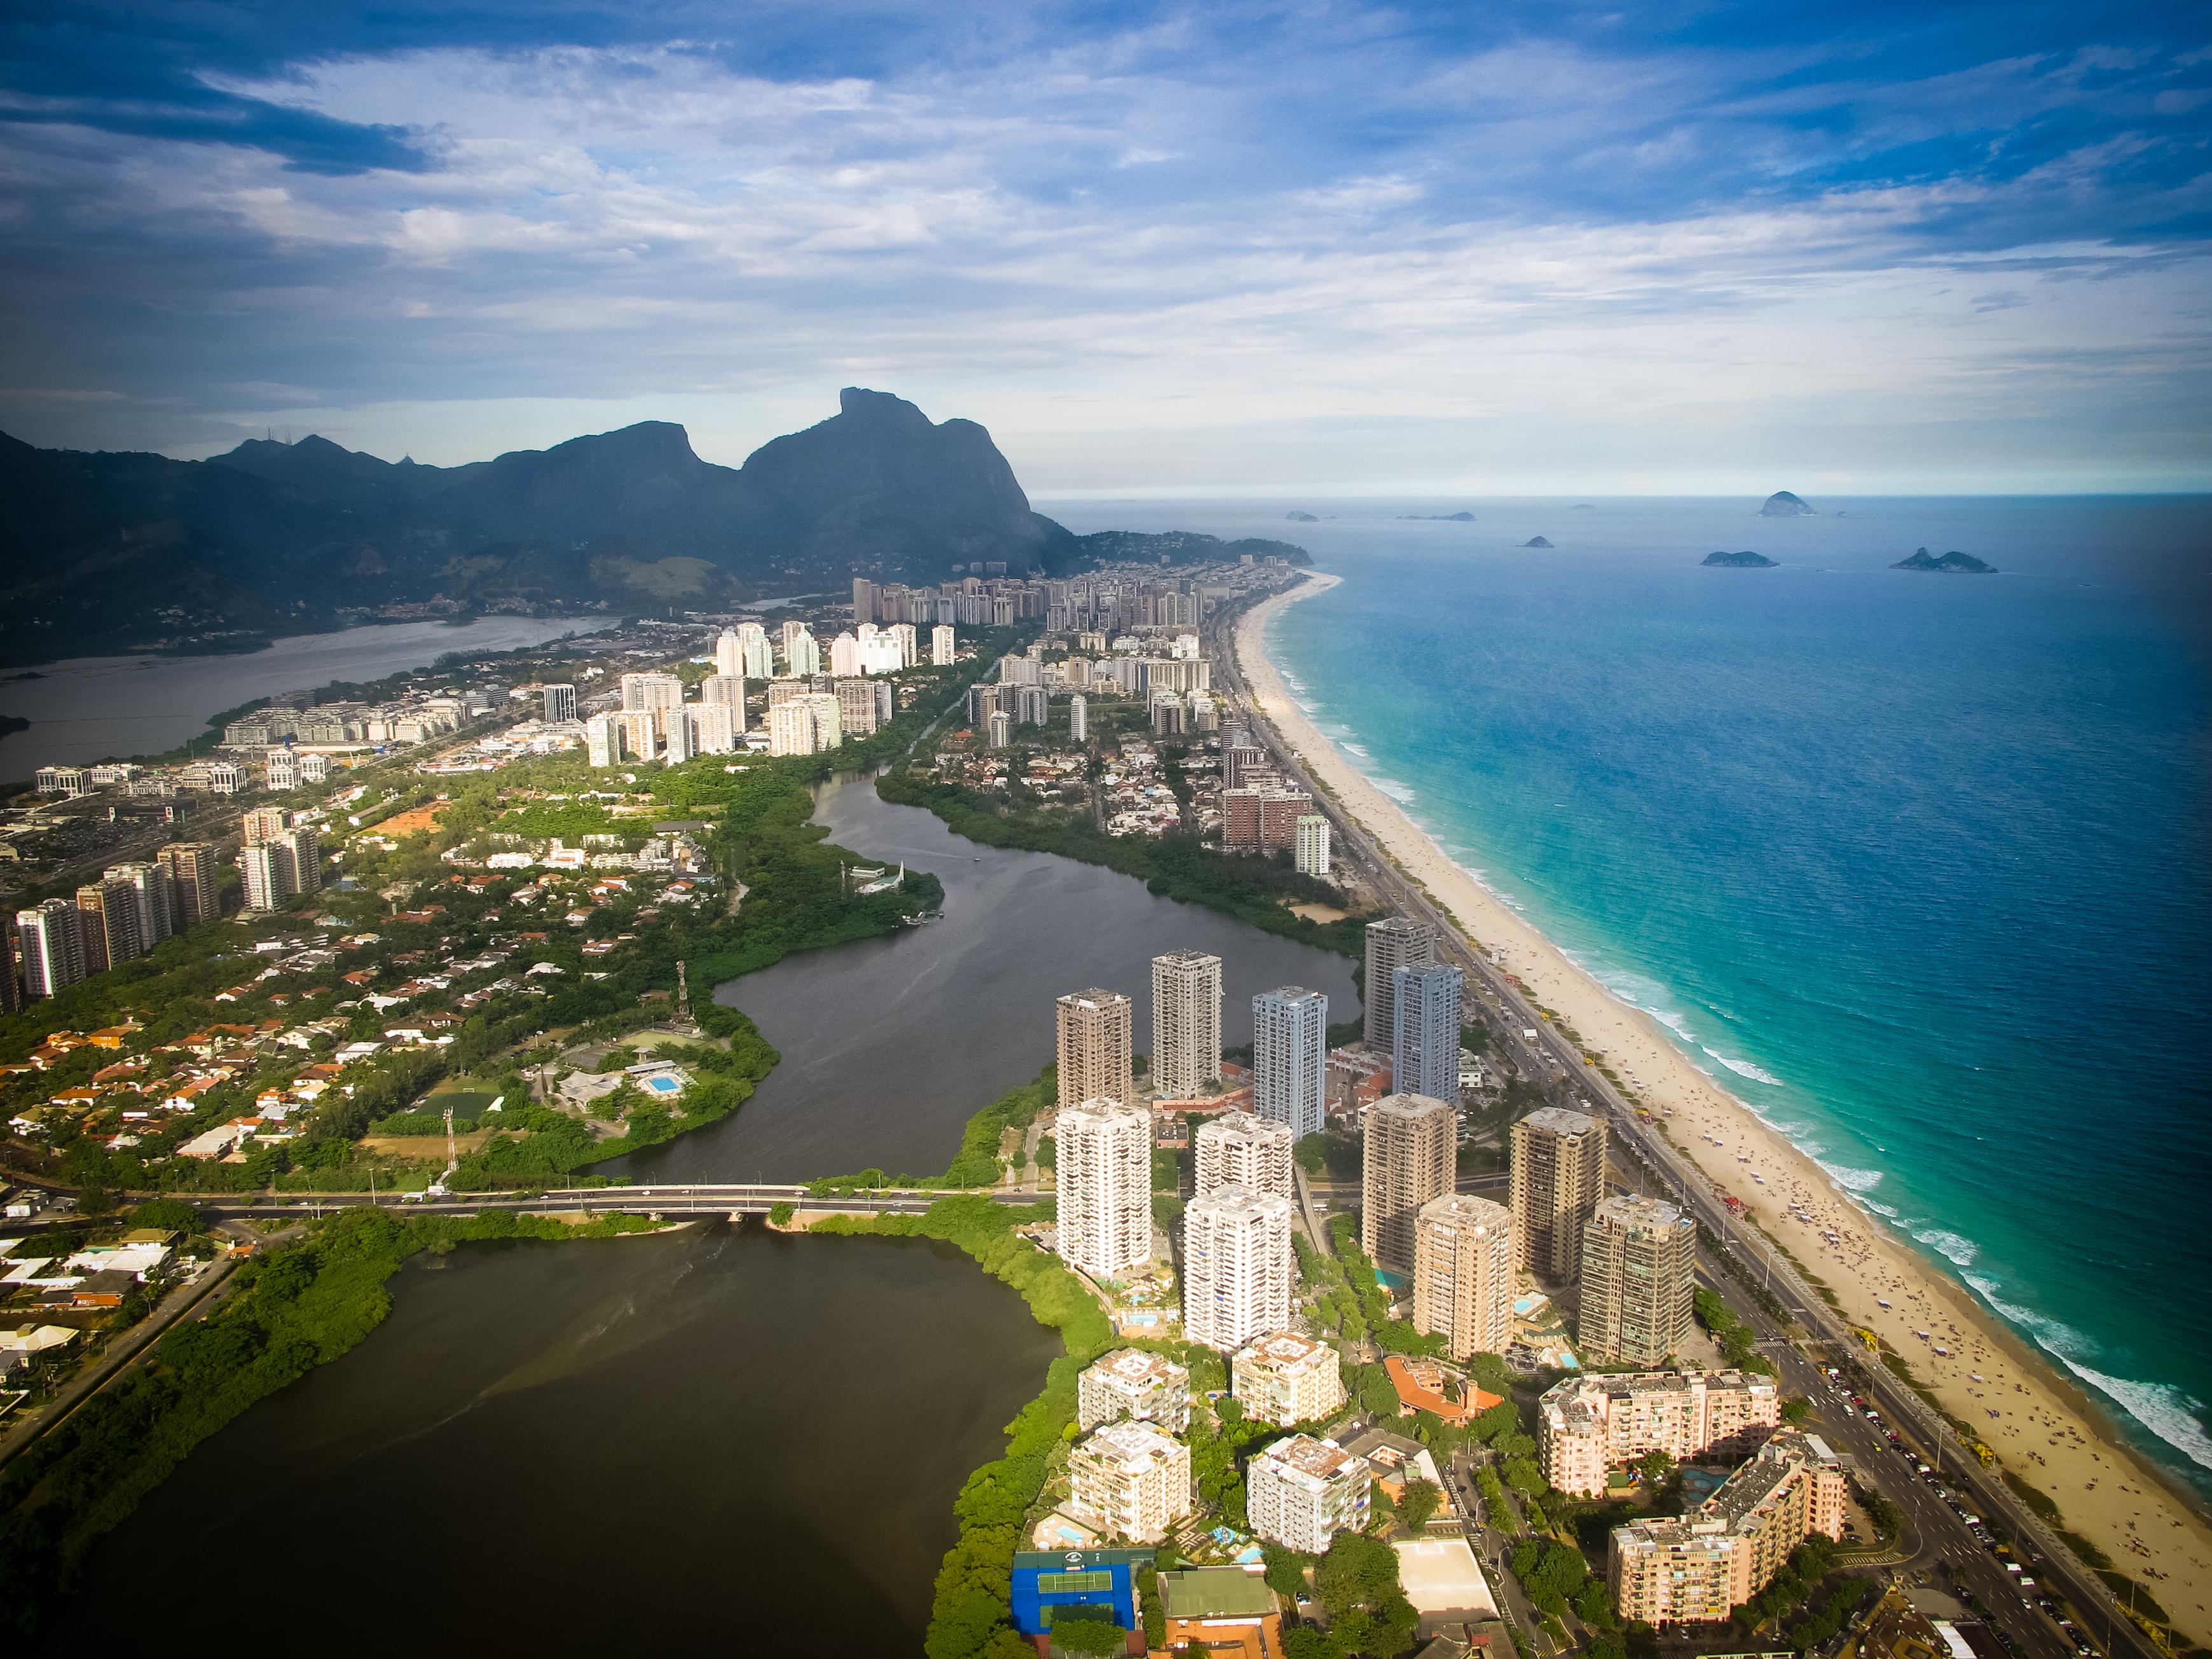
1355,1305
287,1313
1735,1337
1357,1582
1555,1576
1806,1587
1252,889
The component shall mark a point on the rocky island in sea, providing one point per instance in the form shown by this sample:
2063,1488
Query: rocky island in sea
1439,518
1744,561
1783,505
1535,541
1954,562
1297,517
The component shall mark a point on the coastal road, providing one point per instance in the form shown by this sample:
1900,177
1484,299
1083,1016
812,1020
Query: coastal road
1549,1057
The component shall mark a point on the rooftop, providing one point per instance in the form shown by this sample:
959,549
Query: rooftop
1559,1121
1215,1593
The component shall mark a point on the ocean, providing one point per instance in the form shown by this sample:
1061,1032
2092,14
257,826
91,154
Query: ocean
1915,864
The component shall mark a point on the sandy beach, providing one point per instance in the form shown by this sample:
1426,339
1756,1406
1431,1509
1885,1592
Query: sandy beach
2040,1424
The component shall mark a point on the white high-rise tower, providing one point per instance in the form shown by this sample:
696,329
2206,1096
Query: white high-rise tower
1105,1186
1186,1023
1237,1267
1241,1149
1290,1058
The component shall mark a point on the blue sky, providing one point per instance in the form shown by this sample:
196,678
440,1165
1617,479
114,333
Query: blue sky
1328,248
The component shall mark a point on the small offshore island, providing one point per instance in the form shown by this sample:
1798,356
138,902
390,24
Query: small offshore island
1783,505
1744,561
1953,563
1535,541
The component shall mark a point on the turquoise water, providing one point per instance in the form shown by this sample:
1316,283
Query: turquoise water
1914,864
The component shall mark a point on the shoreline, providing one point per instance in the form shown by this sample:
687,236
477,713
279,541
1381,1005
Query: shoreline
2044,1426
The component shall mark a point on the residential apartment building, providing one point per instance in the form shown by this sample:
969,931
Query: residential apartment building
1300,1493
107,925
1411,1158
651,690
1290,1058
193,894
1638,1271
1588,1424
1078,720
52,955
942,650
857,715
1463,1274
1186,1024
1311,852
156,900
1094,1046
1559,1177
1237,1267
1425,1021
1131,1382
755,651
1392,943
1729,1547
1130,1481
1105,1172
1283,1377
602,740
807,724
1262,819
1242,1149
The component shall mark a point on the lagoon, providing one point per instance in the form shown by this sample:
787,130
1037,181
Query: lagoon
93,709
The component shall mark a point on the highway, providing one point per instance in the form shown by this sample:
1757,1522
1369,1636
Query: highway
1550,1057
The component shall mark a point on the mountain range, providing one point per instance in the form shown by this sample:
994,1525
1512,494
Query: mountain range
114,551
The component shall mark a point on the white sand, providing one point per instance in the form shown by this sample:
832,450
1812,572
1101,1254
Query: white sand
2038,1423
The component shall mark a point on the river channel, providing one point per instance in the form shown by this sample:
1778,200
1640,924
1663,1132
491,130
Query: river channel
889,1047
720,1438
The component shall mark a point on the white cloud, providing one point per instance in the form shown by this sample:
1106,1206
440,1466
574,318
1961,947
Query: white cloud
1124,237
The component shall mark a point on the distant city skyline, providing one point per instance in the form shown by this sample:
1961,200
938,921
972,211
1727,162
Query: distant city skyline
1353,251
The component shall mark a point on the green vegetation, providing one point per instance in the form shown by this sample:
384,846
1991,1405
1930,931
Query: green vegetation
1552,1574
1735,1337
1369,1615
1888,1519
1808,1587
288,1313
1253,889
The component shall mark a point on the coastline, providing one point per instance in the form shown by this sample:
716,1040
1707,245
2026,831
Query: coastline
2042,1424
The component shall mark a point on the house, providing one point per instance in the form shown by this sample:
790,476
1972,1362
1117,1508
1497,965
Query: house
106,1289
1221,1613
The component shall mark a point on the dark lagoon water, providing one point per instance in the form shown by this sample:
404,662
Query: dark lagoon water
889,1047
92,708
719,1440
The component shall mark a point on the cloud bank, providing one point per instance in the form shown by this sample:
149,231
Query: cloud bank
1321,246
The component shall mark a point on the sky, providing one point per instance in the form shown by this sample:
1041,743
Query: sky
1337,248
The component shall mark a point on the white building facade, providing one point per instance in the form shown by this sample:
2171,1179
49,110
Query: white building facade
1237,1267
1105,1169
1301,1492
